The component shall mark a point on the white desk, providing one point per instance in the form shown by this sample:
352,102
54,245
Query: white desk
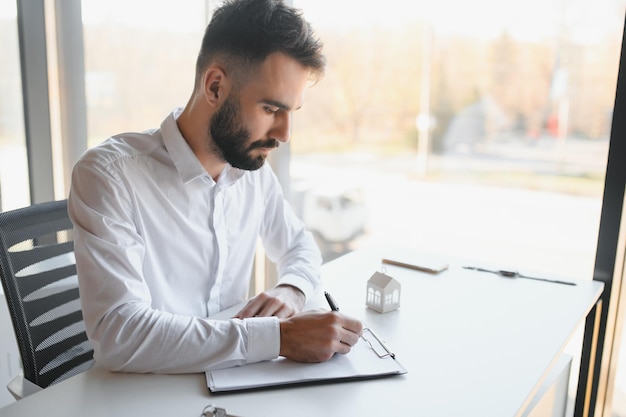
474,344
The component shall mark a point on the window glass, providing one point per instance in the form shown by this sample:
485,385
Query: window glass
14,191
478,130
483,135
139,63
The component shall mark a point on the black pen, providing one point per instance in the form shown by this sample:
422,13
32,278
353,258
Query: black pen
331,302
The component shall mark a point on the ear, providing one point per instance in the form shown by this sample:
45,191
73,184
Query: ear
214,85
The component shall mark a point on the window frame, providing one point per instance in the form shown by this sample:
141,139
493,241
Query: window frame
599,351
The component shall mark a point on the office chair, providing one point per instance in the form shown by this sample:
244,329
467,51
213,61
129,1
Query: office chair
38,273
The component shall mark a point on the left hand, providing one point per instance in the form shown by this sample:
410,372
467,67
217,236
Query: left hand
281,301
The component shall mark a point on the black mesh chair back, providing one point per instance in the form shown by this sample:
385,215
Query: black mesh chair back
38,273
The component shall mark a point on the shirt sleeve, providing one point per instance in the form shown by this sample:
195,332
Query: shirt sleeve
287,241
126,332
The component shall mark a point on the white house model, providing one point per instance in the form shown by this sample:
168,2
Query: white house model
383,293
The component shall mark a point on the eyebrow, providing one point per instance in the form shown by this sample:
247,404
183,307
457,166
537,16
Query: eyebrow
278,104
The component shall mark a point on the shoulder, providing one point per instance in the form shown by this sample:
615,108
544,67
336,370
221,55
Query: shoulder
124,146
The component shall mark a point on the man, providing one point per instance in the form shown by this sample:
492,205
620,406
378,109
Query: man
166,221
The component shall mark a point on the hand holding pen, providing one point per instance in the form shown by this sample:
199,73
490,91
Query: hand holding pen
316,336
334,307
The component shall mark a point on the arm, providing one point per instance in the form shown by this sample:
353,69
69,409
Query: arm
310,336
294,251
126,332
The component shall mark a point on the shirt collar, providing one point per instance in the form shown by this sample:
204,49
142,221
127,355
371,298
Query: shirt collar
188,166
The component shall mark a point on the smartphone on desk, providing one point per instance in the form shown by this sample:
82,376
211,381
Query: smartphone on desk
425,264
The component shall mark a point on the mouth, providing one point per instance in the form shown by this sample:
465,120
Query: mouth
265,145
264,152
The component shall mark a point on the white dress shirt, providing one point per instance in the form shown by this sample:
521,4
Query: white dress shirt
160,247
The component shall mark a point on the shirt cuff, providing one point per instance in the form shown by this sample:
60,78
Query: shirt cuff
263,338
300,283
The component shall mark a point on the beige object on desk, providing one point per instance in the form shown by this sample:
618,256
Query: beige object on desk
423,263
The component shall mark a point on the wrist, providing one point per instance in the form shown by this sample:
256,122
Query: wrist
291,287
298,294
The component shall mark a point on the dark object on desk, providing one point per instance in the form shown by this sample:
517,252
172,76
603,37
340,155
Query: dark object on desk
38,274
515,274
213,411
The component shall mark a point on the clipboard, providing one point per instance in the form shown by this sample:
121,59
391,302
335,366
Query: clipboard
369,358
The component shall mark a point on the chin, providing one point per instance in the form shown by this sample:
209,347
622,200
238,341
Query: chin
251,164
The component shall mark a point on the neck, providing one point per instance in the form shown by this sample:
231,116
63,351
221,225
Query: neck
193,123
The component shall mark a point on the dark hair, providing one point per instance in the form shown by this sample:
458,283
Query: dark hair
242,33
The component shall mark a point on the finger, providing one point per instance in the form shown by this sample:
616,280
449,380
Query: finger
352,325
251,309
264,306
283,312
271,307
343,348
277,308
349,338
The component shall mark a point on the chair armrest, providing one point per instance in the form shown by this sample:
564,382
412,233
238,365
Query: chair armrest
20,387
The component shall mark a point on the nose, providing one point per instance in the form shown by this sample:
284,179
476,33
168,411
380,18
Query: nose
281,129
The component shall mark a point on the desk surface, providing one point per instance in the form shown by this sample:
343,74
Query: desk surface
474,344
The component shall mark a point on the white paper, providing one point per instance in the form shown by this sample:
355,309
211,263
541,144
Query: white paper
361,362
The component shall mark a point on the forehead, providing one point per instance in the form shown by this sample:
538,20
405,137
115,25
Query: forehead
279,78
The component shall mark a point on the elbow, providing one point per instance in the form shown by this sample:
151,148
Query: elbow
113,358
113,349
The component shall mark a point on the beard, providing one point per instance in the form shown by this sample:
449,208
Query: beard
231,138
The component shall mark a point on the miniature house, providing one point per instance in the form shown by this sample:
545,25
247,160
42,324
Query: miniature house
383,293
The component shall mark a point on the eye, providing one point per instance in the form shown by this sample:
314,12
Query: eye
270,110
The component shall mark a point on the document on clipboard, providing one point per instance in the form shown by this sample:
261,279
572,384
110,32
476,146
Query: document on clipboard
369,358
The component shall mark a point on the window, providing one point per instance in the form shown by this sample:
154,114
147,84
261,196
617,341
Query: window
475,134
14,190
139,64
